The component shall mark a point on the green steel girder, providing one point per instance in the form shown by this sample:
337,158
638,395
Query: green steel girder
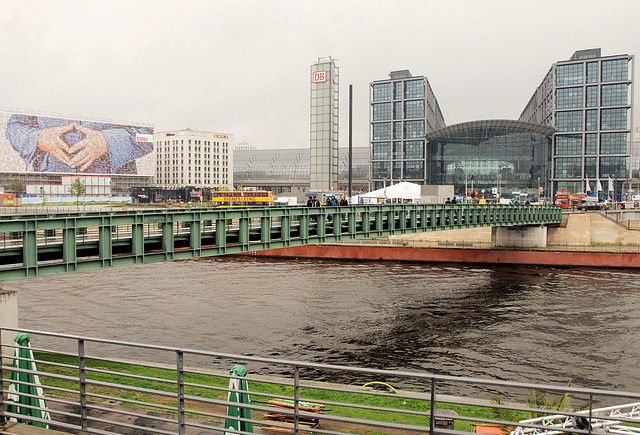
51,244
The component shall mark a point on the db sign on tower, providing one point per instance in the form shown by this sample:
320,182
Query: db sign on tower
319,77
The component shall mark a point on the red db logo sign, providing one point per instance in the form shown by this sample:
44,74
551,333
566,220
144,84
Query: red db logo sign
319,77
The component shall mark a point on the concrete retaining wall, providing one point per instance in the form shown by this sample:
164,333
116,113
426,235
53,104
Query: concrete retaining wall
8,317
577,229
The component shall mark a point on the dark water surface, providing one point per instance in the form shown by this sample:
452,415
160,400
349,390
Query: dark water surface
510,323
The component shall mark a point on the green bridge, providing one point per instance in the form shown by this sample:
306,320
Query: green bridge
52,244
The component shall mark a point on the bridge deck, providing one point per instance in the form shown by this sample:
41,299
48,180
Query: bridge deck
51,244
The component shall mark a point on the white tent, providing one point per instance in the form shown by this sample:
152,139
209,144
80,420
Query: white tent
397,193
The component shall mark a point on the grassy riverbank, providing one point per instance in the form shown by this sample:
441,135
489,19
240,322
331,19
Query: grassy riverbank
158,387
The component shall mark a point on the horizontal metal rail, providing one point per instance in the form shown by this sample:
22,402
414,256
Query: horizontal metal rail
51,244
96,389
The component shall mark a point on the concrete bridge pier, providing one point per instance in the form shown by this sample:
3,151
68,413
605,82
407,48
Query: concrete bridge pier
8,318
526,236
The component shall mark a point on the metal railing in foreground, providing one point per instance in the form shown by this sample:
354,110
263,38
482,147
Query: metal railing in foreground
101,386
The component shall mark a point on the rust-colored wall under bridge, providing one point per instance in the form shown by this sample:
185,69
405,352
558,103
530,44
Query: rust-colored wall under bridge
467,256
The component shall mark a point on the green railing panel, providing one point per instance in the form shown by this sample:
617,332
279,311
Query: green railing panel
51,244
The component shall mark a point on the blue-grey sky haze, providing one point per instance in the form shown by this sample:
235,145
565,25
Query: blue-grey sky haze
243,66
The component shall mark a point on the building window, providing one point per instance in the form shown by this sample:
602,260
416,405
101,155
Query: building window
613,119
382,131
382,111
397,170
592,96
381,91
397,150
613,143
381,150
591,121
614,166
381,170
397,90
569,98
592,72
568,145
414,129
569,74
568,167
397,129
591,144
397,110
414,170
569,121
590,169
615,95
615,70
414,89
414,149
414,109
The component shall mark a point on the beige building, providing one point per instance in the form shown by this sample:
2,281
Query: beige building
194,158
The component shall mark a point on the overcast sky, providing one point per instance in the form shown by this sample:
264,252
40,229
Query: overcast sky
243,67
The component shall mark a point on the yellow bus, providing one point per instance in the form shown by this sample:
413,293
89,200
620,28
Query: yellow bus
243,198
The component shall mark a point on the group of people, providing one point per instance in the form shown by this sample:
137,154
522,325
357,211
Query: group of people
313,201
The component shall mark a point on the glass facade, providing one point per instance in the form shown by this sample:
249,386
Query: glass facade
293,164
572,74
588,99
568,145
514,154
403,110
569,98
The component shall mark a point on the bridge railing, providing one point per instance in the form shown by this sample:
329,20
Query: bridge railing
108,386
48,244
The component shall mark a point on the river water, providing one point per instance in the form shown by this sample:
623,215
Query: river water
509,323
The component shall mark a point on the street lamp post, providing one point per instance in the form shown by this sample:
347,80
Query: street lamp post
466,190
472,183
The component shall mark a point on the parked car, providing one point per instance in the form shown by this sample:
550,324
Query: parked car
592,206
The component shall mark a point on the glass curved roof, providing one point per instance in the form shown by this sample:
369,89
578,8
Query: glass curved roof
293,164
474,132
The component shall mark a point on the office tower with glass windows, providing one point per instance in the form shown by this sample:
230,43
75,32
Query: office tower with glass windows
589,100
324,125
194,158
403,109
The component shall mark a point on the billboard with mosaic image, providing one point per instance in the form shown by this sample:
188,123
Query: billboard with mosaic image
36,143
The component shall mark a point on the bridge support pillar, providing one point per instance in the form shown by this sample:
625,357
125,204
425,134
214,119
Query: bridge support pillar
167,238
105,242
195,234
519,237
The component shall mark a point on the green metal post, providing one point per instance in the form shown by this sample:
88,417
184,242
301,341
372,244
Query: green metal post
304,225
243,231
137,242
285,227
167,238
195,235
69,253
265,229
379,220
366,223
30,248
104,241
221,234
413,218
352,222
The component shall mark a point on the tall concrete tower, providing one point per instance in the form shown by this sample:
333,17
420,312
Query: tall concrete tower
324,125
